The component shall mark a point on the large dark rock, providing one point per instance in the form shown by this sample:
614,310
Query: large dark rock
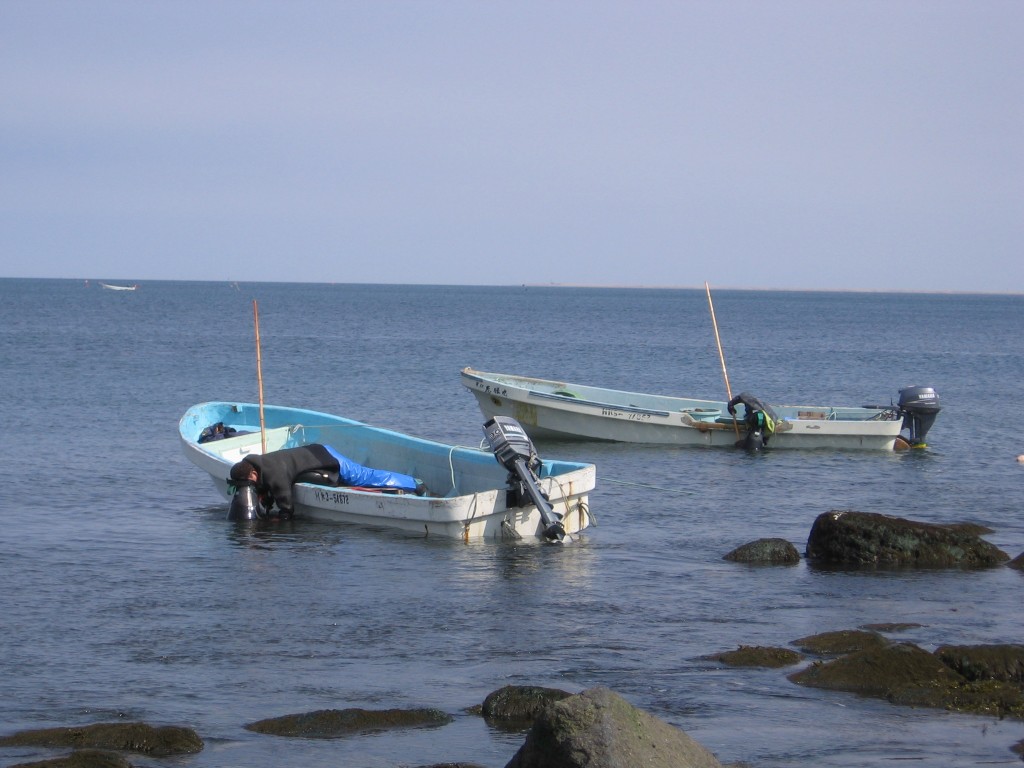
765,552
877,671
985,662
130,737
520,704
865,538
840,642
905,674
1017,563
599,729
758,656
332,723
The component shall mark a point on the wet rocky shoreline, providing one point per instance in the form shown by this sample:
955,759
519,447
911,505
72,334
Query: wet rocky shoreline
597,727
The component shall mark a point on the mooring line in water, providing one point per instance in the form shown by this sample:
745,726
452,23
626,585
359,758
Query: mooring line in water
645,485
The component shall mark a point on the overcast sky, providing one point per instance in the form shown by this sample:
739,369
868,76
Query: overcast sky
812,145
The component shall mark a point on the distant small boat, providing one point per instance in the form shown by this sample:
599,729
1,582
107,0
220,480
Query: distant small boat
507,492
565,411
110,287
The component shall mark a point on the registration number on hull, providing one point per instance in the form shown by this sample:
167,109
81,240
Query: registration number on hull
331,497
629,416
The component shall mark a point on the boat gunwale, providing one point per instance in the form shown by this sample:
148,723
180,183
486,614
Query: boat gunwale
432,448
842,413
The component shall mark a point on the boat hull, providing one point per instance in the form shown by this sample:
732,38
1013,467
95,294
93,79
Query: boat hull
563,411
468,498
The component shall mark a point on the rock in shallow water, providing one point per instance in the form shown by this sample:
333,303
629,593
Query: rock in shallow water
840,642
83,758
334,723
766,552
864,538
758,656
520,703
130,737
985,662
877,671
600,729
905,674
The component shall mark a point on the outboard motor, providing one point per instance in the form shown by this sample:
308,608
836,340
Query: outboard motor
514,450
245,503
919,406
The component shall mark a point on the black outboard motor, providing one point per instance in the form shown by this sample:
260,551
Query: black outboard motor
514,451
919,406
245,503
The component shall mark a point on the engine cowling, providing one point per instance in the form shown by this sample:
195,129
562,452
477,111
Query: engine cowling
919,406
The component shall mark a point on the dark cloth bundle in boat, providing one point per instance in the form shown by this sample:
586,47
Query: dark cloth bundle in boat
217,431
278,470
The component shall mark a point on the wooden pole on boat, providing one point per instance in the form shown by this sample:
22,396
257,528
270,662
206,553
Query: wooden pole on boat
721,355
259,373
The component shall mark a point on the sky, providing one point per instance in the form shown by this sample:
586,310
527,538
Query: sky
772,144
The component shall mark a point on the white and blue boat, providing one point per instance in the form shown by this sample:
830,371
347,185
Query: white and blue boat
504,492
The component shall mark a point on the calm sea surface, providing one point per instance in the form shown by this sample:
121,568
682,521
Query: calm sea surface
127,595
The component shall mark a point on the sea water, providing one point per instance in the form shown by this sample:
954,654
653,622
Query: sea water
127,596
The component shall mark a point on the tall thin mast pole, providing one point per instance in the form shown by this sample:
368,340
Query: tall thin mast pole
259,373
721,356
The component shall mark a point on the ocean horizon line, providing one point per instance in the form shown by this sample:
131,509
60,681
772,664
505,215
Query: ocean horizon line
584,286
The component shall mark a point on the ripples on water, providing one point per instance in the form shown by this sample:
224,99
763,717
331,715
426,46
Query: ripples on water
127,595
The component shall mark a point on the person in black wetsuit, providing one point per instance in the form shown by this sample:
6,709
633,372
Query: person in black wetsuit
273,474
759,419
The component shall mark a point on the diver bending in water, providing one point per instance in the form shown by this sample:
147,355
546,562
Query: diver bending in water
759,418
